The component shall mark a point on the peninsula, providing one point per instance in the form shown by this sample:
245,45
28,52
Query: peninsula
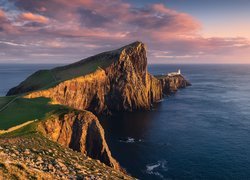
66,139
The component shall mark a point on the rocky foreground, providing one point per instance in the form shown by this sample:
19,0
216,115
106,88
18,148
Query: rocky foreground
120,83
35,157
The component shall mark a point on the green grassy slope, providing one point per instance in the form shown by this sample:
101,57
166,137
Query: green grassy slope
84,67
44,79
22,110
5,100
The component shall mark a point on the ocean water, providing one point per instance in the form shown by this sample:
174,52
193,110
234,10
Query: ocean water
201,132
12,74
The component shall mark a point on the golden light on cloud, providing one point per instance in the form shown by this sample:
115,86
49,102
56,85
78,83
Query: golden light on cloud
34,17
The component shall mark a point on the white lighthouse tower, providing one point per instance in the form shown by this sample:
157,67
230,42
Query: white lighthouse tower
179,71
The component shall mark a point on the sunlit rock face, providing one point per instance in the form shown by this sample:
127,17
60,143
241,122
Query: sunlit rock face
125,85
80,131
171,84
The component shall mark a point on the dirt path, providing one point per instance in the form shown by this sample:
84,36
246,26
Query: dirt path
6,105
16,127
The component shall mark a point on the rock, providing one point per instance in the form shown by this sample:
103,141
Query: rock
80,131
27,152
124,85
34,150
16,152
51,168
39,158
63,167
172,83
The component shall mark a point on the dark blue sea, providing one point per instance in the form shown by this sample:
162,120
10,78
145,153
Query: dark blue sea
201,132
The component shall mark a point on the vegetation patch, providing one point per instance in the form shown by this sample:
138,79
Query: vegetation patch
22,110
5,100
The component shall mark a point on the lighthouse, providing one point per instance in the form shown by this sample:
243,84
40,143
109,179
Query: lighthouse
179,71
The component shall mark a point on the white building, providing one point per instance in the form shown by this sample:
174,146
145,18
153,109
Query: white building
175,73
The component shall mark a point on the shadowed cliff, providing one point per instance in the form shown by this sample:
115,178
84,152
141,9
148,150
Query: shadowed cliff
80,131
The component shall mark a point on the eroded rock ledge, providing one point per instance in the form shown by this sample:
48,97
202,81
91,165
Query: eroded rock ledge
80,131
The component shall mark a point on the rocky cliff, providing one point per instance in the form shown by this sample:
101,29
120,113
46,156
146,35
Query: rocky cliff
80,131
124,85
112,81
171,84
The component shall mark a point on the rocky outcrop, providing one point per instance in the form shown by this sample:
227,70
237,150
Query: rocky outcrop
172,83
34,157
125,85
120,83
80,131
85,92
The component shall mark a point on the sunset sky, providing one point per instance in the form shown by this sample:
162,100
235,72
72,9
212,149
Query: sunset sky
175,31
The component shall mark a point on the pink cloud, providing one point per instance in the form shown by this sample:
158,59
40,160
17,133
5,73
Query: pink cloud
2,14
80,28
5,24
34,18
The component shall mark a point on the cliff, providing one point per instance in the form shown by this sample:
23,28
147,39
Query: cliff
112,81
124,85
171,84
80,131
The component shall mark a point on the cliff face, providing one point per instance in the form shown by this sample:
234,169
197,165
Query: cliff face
120,83
80,131
171,84
125,85
86,92
131,86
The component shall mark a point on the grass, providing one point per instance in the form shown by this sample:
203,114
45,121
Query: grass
83,67
160,76
5,100
23,110
45,79
38,80
28,131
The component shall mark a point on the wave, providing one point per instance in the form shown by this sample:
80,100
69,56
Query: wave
161,100
156,168
129,140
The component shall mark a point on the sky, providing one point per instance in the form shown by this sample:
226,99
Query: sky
175,31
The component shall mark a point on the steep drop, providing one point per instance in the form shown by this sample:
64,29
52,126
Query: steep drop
80,131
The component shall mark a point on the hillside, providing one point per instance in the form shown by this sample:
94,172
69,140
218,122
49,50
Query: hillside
43,79
123,85
59,107
26,154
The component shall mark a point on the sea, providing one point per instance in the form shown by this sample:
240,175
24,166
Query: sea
200,132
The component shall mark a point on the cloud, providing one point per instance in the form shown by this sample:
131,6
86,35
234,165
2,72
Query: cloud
79,28
2,14
5,24
34,18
